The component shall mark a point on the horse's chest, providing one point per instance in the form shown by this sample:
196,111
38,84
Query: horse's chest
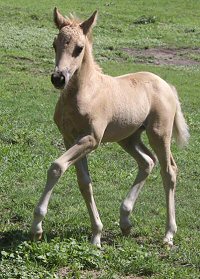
71,121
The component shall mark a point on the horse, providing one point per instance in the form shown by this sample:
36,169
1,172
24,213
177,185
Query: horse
96,108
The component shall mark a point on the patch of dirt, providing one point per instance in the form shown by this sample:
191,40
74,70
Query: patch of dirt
90,274
96,275
65,272
165,56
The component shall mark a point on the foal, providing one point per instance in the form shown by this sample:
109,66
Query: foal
95,108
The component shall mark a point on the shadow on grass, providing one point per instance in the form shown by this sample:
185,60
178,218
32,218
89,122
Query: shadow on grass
83,233
11,239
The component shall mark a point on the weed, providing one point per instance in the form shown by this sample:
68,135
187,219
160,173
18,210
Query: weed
145,20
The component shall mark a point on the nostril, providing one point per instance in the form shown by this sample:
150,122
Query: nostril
58,79
62,79
52,78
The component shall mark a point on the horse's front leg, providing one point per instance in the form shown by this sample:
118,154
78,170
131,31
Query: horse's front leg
85,186
56,170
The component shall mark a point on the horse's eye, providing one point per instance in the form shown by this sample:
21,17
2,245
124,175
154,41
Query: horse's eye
77,51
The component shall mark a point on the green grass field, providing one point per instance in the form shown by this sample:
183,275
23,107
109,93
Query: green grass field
30,141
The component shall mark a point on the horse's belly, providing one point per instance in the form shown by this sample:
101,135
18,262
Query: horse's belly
126,120
115,132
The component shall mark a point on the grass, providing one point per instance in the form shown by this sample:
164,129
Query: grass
29,142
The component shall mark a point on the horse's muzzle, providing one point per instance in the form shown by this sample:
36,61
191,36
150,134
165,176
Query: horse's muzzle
58,80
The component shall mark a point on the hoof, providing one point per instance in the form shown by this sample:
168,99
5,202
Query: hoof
36,236
98,245
126,231
168,242
96,241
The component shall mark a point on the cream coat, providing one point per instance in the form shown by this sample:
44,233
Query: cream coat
95,108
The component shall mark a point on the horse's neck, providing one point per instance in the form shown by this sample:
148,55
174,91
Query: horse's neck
88,68
85,75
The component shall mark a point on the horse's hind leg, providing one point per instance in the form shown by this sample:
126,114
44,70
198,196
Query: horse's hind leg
85,186
160,142
146,161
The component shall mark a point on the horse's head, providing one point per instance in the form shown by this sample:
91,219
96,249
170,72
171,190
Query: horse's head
69,47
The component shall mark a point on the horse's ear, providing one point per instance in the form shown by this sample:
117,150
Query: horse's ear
87,24
59,20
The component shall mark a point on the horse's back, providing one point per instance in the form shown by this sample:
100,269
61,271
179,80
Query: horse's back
145,86
162,100
146,80
141,99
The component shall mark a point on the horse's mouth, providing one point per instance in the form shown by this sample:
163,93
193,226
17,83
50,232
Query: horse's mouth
59,87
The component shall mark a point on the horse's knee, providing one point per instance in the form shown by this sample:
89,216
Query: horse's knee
172,177
55,171
92,142
146,162
89,142
169,176
149,166
146,166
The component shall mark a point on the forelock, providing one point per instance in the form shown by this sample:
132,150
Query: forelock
71,30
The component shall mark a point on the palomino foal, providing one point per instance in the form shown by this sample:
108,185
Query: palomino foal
95,108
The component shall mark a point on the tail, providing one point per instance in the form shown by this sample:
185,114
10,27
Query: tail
180,127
